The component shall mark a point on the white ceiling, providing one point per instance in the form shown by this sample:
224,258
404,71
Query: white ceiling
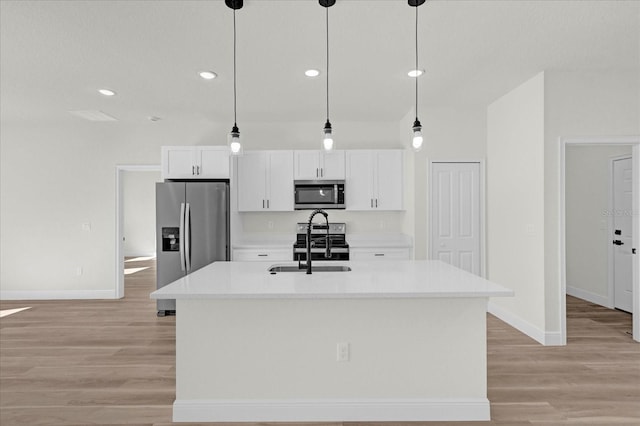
55,54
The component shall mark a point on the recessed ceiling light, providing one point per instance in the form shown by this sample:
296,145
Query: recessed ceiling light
415,73
208,75
312,73
106,92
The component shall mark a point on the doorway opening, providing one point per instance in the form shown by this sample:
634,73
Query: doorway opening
591,230
135,223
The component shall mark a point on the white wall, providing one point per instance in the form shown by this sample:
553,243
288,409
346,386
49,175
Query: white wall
587,189
57,176
449,134
139,208
579,103
515,202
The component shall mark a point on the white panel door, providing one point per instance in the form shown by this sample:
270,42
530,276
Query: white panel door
280,181
622,236
213,162
252,174
359,180
178,162
307,165
455,215
389,178
333,165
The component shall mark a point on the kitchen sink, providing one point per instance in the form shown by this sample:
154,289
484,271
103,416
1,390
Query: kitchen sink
314,268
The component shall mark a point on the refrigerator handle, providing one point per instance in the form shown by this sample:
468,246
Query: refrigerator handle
187,237
182,258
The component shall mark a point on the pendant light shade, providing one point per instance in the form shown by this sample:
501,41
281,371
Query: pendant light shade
417,139
327,132
235,147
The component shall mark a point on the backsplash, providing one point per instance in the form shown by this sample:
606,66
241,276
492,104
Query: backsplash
361,222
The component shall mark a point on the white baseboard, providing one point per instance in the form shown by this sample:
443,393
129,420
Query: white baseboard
547,338
462,409
589,296
57,295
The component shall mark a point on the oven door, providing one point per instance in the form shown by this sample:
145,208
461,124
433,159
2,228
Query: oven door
319,195
337,253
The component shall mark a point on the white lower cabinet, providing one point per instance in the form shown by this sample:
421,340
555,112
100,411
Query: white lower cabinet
372,253
256,255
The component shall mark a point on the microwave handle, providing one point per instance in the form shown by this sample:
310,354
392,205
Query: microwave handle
335,194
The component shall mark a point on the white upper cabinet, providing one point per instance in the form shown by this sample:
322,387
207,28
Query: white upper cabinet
374,179
195,162
319,165
265,181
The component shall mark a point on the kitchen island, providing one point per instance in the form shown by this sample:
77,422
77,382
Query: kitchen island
386,341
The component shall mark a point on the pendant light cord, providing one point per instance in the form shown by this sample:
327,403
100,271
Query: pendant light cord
417,76
234,69
327,20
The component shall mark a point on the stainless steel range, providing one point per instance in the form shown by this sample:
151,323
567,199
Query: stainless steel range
339,246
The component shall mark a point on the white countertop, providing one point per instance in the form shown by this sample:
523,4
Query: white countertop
389,279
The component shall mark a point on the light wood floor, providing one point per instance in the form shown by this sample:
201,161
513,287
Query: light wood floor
113,362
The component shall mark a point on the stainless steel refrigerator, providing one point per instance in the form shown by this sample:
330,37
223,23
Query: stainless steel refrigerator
192,230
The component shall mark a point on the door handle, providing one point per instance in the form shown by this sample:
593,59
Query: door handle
183,266
618,242
187,237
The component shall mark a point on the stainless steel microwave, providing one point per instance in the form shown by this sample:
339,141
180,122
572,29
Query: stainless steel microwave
318,194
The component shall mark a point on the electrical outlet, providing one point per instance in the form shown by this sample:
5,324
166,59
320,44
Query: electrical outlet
270,224
343,352
530,229
86,226
78,270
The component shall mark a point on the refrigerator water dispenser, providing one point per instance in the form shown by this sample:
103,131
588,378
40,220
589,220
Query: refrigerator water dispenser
170,239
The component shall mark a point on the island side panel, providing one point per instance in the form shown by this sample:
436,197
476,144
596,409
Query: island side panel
245,350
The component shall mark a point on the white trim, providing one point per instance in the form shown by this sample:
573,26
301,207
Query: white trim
549,338
589,296
483,206
342,410
611,287
599,140
119,285
636,242
58,295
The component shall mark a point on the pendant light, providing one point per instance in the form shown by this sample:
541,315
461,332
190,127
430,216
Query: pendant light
327,138
234,136
417,127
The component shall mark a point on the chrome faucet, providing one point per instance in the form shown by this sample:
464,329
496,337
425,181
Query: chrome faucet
327,253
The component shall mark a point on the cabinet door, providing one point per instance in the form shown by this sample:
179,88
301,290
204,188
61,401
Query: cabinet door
280,181
332,166
389,179
251,182
259,255
213,162
381,253
359,180
178,162
306,165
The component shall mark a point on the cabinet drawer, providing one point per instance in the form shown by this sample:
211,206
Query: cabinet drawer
250,255
380,254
